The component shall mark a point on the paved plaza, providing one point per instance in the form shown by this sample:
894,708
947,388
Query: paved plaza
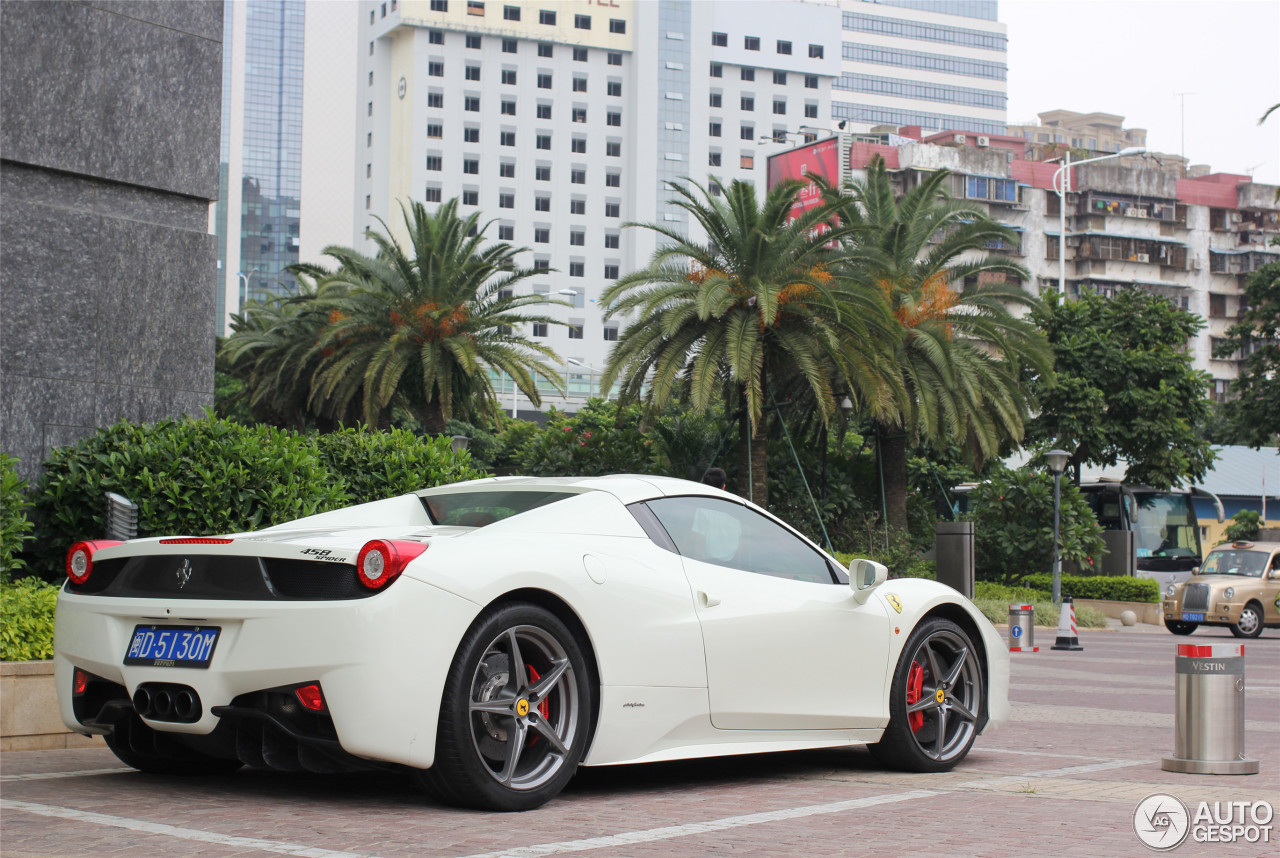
1063,779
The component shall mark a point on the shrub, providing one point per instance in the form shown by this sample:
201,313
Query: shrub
374,465
1116,588
600,439
1013,525
1245,524
189,476
14,525
1046,613
27,632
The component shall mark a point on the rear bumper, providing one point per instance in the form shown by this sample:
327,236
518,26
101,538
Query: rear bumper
380,661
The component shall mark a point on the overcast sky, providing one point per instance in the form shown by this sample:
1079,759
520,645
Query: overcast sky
1132,57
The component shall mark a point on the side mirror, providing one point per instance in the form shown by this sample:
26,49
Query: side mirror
865,576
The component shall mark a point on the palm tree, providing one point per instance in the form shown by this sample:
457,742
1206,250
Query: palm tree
751,303
419,325
961,351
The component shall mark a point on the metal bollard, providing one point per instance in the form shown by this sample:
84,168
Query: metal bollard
1022,628
1208,721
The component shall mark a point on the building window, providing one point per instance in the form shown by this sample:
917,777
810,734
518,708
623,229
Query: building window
507,170
713,129
720,40
615,58
541,265
435,69
811,111
578,145
713,159
780,106
717,99
617,25
542,174
473,72
511,13
475,7
579,55
371,49
747,132
368,200
471,165
435,99
547,17
439,5
579,114
509,77
544,80
577,269
506,201
615,88
509,46
582,22
433,194
371,108
507,138
579,84
577,238
613,180
541,235
611,241
717,70
779,135
578,177
784,47
612,209
577,207
368,140
435,130
508,108
748,103
613,149
469,135
474,42
471,198
368,171
435,37
747,162
611,272
815,51
611,334
471,103
614,119
544,111
748,74
435,163
751,43
714,188
370,78
542,204
545,50
811,81
540,328
506,232
575,332
780,78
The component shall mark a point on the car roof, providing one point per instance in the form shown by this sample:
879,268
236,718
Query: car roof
1248,545
627,488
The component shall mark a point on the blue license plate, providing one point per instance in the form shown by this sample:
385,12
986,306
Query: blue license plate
172,646
1192,618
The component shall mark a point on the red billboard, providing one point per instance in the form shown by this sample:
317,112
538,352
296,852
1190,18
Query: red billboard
816,159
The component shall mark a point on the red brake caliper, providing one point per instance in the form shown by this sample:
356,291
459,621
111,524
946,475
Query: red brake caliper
915,685
544,707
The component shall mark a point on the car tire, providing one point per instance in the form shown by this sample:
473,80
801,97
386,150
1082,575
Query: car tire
1250,623
1178,627
927,733
509,741
151,751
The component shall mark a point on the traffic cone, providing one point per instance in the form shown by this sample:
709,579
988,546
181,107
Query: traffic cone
1068,637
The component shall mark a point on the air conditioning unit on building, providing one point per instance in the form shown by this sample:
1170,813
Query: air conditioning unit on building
961,139
1195,263
1236,217
984,141
1142,257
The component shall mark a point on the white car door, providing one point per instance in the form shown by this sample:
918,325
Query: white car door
786,645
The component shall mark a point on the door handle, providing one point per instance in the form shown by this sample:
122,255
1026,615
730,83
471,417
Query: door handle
707,601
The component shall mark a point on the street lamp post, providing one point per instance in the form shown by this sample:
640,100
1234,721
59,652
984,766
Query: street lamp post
589,368
245,280
1062,184
1057,464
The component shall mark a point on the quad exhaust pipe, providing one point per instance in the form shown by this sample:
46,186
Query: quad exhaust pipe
162,701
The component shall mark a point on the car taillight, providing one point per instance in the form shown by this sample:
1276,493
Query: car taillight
382,560
196,540
79,682
80,558
310,697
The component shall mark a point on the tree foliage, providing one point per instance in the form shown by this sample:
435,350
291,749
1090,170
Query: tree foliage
1125,387
1252,417
15,528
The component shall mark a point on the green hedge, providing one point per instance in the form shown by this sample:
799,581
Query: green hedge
1118,588
376,465
27,631
14,526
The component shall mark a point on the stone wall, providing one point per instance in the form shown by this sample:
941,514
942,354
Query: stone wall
109,126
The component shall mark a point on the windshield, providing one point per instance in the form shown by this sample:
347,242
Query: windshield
477,509
1164,527
1234,562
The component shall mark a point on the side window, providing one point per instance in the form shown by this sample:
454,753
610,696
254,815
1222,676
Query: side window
724,533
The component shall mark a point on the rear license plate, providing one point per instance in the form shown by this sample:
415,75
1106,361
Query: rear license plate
172,646
1192,618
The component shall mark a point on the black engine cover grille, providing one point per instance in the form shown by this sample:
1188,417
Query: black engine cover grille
202,576
1196,597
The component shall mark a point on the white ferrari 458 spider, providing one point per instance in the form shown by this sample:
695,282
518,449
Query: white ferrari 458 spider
494,635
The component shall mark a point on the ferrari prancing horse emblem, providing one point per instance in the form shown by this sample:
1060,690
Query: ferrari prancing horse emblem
184,573
522,707
895,602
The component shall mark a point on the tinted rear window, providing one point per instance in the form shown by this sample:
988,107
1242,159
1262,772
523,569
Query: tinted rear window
476,509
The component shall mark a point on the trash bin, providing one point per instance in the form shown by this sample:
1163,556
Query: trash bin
1208,718
953,554
1022,628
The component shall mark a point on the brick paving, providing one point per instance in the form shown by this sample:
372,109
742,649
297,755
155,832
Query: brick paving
1062,779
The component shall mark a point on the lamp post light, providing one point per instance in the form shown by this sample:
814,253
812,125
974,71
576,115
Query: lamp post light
1057,464
589,368
1060,187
